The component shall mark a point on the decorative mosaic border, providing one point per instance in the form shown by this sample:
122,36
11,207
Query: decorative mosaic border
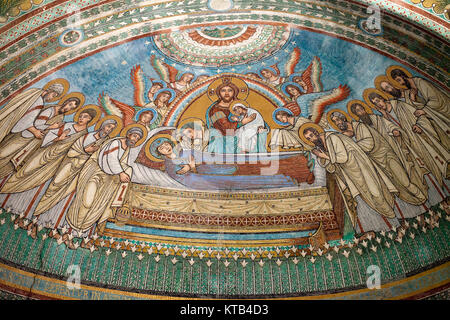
89,47
230,195
326,217
45,287
155,269
416,13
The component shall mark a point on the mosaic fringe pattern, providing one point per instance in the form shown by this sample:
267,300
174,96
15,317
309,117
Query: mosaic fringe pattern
233,272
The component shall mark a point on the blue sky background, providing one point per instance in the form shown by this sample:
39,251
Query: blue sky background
342,63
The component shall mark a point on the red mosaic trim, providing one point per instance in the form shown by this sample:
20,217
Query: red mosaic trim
196,36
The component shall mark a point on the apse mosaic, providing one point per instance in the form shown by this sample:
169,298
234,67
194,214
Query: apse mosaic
235,159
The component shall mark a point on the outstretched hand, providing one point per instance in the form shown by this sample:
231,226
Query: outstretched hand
320,154
416,129
184,170
249,119
63,136
56,125
124,178
91,148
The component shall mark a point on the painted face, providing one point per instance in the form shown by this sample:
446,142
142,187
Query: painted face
50,96
109,128
340,123
226,93
155,88
239,110
165,149
189,132
282,118
132,138
146,117
386,87
380,103
266,73
69,106
311,136
359,110
293,91
164,97
187,77
400,80
84,118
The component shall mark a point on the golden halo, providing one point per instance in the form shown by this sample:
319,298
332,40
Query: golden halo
332,124
78,95
239,83
128,127
369,91
350,112
245,103
183,122
150,142
301,132
61,81
89,106
382,78
388,74
119,126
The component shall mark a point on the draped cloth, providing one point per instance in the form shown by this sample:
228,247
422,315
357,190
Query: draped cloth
433,98
288,137
10,115
248,133
16,108
19,148
11,145
357,175
379,151
428,149
66,178
402,149
41,166
96,189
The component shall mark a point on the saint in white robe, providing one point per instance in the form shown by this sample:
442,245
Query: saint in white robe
20,142
381,153
248,133
368,192
288,137
43,164
432,98
426,147
97,185
63,186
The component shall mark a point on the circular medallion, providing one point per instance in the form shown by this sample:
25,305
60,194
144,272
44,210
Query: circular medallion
215,46
71,37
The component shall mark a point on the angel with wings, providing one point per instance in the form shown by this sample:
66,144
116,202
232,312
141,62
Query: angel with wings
145,88
174,79
148,117
308,107
308,80
306,92
272,74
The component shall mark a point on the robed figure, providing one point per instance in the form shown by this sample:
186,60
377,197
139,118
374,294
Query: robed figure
44,163
223,92
101,178
65,181
368,193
